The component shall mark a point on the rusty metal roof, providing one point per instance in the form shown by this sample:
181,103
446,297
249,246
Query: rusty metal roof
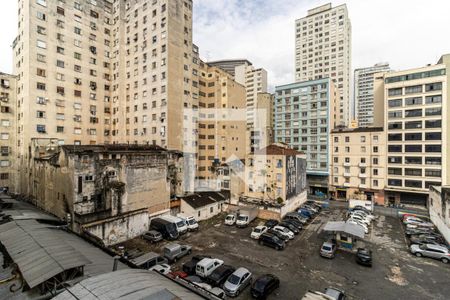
38,252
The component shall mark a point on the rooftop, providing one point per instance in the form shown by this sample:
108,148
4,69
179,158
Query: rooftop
359,129
276,149
202,199
111,148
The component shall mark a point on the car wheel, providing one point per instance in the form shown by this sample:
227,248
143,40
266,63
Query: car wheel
418,254
445,260
278,248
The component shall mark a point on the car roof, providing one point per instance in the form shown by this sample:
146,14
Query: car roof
153,232
260,226
327,244
265,278
437,247
241,271
172,246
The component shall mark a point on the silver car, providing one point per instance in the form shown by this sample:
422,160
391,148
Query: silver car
237,282
433,251
328,249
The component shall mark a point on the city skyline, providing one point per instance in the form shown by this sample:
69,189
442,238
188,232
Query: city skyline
273,24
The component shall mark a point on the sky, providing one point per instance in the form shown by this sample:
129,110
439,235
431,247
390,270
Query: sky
405,33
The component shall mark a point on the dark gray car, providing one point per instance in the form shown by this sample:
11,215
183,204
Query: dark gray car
152,236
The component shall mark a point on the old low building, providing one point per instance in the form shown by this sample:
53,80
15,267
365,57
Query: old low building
106,191
439,206
203,205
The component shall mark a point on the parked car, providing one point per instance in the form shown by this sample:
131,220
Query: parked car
178,274
364,257
305,212
416,231
359,207
360,218
363,214
189,267
162,268
190,221
152,236
357,222
175,251
279,235
290,226
433,251
311,208
206,266
295,216
220,275
420,225
257,231
412,220
294,222
230,219
335,293
193,279
284,231
328,249
148,260
237,282
315,204
264,285
271,223
429,238
218,292
272,240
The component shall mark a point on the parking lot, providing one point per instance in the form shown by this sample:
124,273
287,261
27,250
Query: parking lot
395,274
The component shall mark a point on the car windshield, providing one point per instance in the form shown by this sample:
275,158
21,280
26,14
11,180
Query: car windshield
171,227
286,230
423,247
192,222
229,217
326,248
242,218
260,284
257,230
234,279
180,224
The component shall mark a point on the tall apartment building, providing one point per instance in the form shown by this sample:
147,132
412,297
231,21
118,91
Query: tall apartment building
221,135
416,112
261,133
362,110
8,141
255,82
323,49
303,119
358,163
103,71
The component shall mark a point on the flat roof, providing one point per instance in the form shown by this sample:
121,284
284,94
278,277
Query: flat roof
359,129
345,227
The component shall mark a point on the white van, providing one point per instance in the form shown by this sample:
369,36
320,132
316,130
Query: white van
191,222
180,223
206,266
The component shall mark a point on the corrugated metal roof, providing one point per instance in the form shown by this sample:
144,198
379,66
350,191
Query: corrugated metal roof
342,226
143,258
38,251
128,284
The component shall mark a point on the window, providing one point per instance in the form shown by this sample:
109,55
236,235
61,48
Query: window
394,182
395,114
40,16
433,136
60,129
413,124
41,30
40,72
394,137
413,183
433,124
40,128
40,86
433,87
4,163
4,136
395,92
395,103
77,55
433,99
433,148
433,160
417,136
395,125
413,148
395,148
433,173
60,10
395,159
375,161
413,101
394,171
411,113
42,2
413,89
413,172
41,44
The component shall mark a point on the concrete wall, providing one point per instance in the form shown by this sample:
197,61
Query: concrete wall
118,230
439,207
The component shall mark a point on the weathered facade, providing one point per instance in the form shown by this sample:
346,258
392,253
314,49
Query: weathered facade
108,191
439,207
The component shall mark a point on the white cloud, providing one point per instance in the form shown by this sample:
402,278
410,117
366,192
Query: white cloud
405,33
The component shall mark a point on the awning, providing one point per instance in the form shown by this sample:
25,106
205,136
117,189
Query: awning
344,227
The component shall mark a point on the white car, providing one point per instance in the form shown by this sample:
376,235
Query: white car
258,231
162,268
363,214
230,219
362,219
420,225
412,220
284,231
356,222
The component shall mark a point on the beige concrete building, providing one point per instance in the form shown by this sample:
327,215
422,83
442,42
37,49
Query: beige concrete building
358,164
101,71
220,137
416,110
105,191
261,131
323,49
8,136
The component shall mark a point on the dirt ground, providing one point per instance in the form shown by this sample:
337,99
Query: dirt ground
395,274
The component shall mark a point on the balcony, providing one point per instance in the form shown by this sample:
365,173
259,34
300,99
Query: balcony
347,174
363,165
347,184
362,175
363,186
347,164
